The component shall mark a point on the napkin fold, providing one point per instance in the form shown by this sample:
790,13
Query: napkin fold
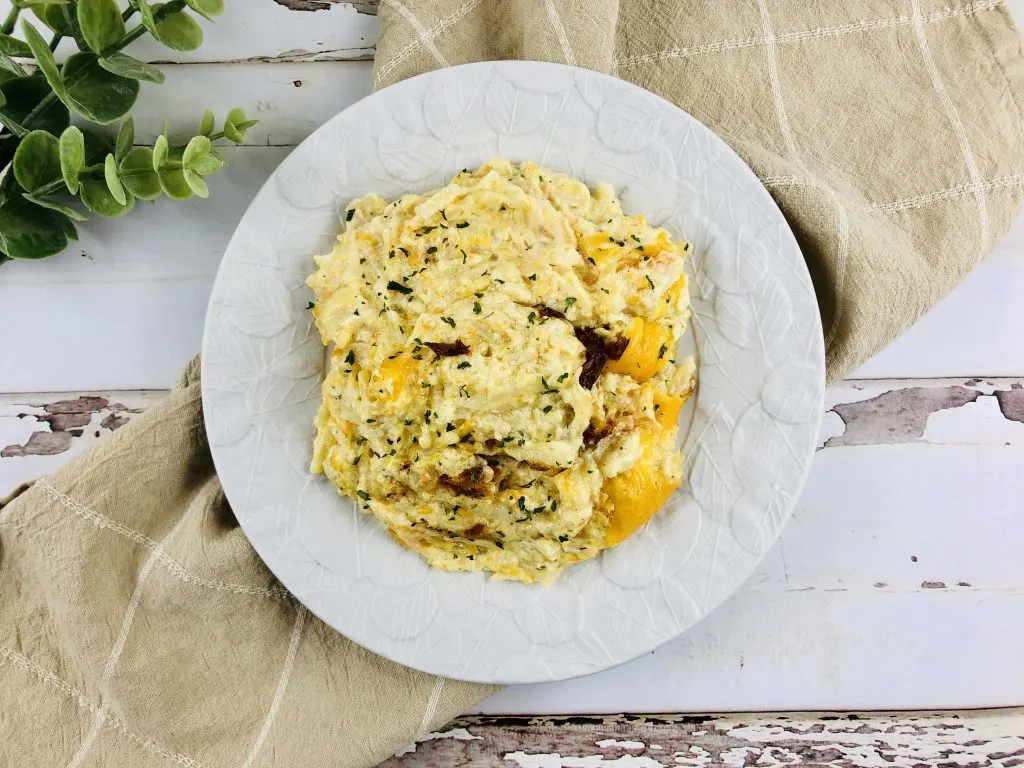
137,625
888,131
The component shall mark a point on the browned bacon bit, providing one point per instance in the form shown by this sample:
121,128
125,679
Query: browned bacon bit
593,365
599,351
593,435
615,348
469,482
546,311
446,349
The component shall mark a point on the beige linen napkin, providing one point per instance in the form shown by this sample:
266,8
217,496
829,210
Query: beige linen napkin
137,625
139,628
888,131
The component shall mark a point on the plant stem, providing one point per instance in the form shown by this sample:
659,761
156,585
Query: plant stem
55,40
12,19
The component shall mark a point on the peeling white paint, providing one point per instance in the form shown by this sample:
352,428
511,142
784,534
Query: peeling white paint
457,734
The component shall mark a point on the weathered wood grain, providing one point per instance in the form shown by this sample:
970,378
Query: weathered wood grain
268,31
980,739
852,608
363,6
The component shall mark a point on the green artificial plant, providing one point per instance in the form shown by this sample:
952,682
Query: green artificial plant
50,166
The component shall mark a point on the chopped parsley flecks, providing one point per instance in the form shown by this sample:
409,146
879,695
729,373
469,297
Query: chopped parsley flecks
649,281
569,301
547,408
349,214
350,357
532,318
448,320
464,364
462,225
477,308
396,286
363,495
662,351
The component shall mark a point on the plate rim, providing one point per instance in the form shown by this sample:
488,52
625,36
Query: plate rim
765,198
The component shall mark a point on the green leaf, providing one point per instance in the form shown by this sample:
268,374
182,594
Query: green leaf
196,183
97,146
52,15
72,157
126,66
198,147
53,205
174,184
71,26
207,8
97,198
95,93
10,69
114,183
101,23
160,151
177,30
146,10
30,232
207,124
207,165
236,124
138,176
44,59
37,161
12,46
125,137
23,94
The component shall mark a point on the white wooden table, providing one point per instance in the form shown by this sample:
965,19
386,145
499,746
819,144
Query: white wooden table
899,584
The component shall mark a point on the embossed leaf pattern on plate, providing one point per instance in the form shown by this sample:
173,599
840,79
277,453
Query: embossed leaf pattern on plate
749,432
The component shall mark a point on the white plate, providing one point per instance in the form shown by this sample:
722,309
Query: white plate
748,441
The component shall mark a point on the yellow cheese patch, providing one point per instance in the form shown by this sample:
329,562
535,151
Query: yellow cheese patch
647,353
637,494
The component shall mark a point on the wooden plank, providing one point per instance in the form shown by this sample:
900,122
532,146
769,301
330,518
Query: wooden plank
133,264
39,433
856,740
864,603
270,30
289,101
